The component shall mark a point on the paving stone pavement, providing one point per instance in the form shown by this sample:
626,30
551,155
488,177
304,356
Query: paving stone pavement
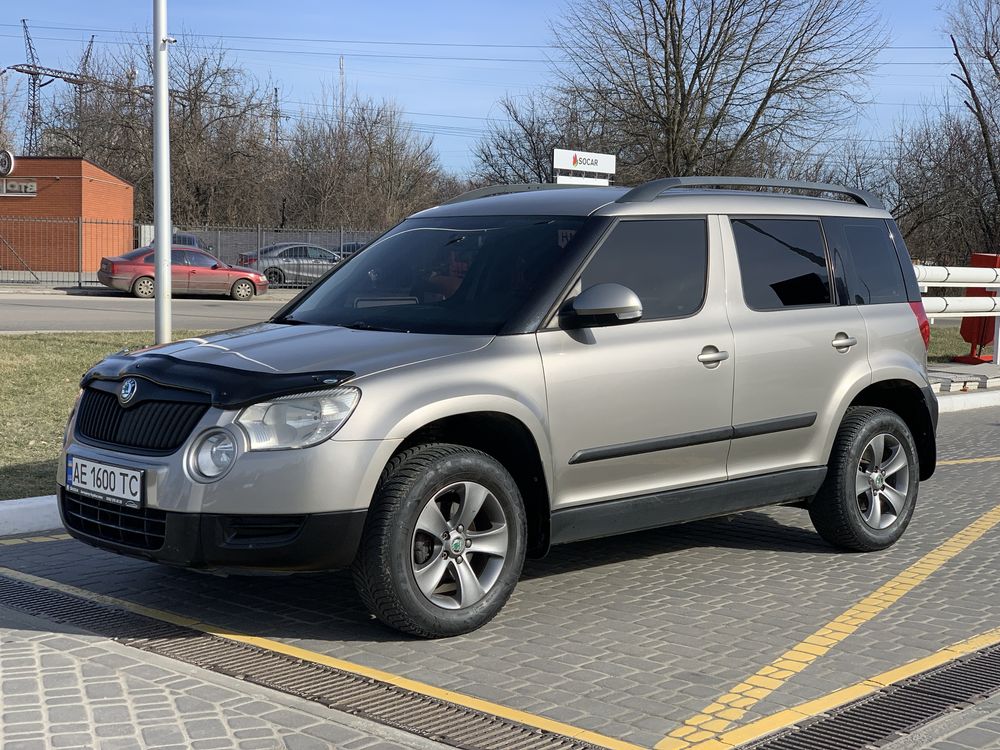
73,691
630,636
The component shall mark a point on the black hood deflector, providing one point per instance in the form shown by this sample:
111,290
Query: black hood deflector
224,387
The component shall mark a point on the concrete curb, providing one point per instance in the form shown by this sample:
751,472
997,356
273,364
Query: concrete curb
951,402
29,515
33,514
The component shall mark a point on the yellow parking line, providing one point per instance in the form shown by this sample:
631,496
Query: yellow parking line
13,540
962,461
702,730
783,719
460,699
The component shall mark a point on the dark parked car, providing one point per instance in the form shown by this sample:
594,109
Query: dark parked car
292,262
192,272
186,239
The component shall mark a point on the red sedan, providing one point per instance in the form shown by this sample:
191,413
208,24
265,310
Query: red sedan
192,272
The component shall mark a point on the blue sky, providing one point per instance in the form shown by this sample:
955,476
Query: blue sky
450,99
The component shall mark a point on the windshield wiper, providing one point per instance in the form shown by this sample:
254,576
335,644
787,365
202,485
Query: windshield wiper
288,320
360,325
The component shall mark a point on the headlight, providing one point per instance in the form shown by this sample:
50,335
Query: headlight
213,454
297,421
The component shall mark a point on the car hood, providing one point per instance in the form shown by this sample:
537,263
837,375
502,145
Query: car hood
271,348
243,269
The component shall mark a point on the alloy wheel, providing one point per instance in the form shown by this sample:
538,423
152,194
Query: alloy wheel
882,481
459,545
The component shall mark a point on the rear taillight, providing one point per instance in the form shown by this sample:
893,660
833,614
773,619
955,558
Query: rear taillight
922,323
112,268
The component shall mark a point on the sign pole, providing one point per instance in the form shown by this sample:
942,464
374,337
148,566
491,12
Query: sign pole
162,226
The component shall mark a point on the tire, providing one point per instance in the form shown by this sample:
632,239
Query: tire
144,287
274,276
243,290
866,504
397,549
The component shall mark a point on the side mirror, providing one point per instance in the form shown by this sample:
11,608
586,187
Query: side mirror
602,305
215,266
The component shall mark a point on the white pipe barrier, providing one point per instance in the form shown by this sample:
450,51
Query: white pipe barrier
957,276
962,307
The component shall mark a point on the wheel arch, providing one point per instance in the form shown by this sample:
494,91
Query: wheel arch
508,439
906,399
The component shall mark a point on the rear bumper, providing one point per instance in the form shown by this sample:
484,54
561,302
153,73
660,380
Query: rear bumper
222,542
123,283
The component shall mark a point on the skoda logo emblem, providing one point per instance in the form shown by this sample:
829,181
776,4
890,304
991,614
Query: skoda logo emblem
456,546
129,387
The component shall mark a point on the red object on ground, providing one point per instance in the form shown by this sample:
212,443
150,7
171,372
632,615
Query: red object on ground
978,332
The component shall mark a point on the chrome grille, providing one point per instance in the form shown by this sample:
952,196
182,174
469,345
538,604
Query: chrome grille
157,426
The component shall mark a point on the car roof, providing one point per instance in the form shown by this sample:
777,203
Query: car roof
602,201
562,202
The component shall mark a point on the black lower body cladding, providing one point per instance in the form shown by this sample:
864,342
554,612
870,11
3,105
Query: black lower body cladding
206,541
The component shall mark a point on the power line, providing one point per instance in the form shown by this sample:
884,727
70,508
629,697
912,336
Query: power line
394,42
322,53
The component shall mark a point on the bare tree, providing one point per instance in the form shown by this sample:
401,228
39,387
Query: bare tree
368,170
704,86
9,102
975,40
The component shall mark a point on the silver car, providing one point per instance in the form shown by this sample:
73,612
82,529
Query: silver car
292,262
519,368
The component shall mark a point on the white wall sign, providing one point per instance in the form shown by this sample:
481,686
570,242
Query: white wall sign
19,187
572,179
583,161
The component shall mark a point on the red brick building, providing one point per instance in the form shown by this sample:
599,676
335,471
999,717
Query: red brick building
62,214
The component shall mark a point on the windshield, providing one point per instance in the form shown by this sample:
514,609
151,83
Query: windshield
463,275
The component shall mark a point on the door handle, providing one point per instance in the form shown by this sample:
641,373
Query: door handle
711,357
843,342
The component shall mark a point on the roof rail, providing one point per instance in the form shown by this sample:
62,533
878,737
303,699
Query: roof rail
652,189
486,192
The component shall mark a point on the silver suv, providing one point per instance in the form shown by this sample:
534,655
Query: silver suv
523,367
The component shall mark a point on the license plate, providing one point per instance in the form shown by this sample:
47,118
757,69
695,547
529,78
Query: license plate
113,484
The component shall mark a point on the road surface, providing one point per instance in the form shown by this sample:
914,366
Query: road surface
56,312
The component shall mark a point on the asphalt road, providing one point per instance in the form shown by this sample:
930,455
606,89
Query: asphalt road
56,312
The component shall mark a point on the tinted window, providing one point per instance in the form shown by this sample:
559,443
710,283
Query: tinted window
135,254
782,263
177,257
465,274
200,259
318,253
294,252
876,277
663,261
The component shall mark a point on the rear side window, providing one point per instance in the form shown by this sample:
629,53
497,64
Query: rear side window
782,263
876,277
664,261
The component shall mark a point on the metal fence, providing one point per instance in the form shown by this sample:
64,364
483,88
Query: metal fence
67,252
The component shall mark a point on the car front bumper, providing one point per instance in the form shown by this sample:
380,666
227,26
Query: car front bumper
219,542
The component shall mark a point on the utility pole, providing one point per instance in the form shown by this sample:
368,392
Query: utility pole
33,126
342,94
79,100
162,225
275,118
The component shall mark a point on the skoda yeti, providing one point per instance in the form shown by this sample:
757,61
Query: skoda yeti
522,367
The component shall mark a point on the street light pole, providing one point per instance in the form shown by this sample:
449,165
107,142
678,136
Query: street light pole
162,225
